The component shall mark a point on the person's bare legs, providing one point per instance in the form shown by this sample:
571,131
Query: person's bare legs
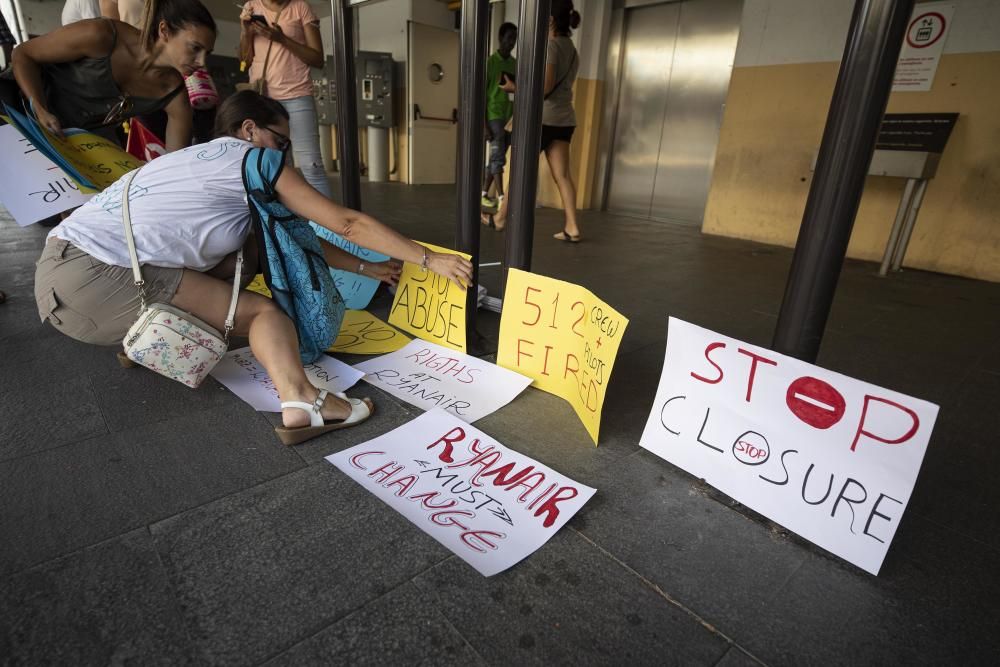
272,339
500,218
557,155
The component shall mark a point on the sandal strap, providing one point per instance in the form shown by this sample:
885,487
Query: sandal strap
312,409
359,411
297,404
318,403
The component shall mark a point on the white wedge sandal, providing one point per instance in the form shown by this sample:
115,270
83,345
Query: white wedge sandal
361,409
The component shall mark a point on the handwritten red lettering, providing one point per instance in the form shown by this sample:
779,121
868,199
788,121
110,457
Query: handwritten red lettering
404,484
527,302
384,472
521,353
889,441
425,499
708,351
753,367
501,474
447,518
478,540
356,459
549,508
534,502
449,439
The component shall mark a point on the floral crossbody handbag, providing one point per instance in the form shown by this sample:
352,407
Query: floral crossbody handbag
166,339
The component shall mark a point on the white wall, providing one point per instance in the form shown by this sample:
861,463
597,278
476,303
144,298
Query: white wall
432,12
382,27
591,38
41,17
326,32
779,32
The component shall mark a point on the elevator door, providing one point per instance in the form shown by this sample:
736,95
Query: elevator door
676,64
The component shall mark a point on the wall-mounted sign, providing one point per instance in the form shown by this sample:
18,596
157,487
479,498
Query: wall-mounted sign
922,46
915,131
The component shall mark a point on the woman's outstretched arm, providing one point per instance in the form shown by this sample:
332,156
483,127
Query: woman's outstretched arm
295,193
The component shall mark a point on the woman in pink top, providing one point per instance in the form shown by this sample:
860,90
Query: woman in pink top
292,34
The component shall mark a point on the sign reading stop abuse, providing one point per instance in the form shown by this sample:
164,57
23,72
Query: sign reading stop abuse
831,458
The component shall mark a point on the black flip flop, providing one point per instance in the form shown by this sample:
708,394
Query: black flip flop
566,238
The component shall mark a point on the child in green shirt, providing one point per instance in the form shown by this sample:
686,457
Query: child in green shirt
499,109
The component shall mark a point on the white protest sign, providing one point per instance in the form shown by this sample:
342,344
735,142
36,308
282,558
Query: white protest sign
244,375
923,44
491,506
831,458
32,187
431,376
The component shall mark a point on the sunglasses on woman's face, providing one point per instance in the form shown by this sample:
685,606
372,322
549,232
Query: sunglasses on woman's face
282,141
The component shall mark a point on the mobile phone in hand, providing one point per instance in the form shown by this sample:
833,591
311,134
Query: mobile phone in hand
259,18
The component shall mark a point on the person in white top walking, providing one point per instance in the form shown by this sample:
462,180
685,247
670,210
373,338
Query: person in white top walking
78,10
189,217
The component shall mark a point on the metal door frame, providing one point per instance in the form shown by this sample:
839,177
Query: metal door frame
614,63
614,59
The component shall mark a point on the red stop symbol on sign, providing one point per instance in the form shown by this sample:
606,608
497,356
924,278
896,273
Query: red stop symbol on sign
815,402
925,30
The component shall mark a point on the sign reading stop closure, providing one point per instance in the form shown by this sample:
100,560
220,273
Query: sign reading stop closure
831,458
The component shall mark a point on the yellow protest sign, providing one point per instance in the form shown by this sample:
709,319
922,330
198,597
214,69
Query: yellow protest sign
259,286
430,306
95,158
363,333
564,338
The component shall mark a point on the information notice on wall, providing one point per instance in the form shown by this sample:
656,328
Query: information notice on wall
831,458
926,34
924,132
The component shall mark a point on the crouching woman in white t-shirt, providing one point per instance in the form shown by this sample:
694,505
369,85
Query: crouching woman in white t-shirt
189,217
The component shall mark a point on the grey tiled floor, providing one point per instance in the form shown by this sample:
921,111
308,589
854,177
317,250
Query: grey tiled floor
145,523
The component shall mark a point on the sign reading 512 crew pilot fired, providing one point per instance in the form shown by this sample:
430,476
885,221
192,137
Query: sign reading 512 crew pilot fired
831,458
564,338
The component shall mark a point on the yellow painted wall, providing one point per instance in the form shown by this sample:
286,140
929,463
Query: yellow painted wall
771,131
588,95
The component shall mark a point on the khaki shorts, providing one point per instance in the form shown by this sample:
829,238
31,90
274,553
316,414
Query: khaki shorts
91,301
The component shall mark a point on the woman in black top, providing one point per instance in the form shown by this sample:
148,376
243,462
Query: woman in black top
94,74
558,117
